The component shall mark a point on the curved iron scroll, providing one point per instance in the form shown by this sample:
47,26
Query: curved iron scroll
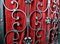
53,20
27,39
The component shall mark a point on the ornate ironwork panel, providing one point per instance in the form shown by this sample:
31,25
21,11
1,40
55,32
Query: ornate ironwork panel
30,21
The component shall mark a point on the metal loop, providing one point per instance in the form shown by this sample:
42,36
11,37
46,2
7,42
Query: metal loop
38,12
39,36
41,10
11,3
56,8
15,24
53,11
39,29
15,31
18,25
15,10
38,19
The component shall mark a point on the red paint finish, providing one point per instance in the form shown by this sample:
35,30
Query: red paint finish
22,21
9,21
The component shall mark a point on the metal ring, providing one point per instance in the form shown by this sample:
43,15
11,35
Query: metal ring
35,29
41,10
55,11
38,12
14,24
15,31
17,18
18,25
11,3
